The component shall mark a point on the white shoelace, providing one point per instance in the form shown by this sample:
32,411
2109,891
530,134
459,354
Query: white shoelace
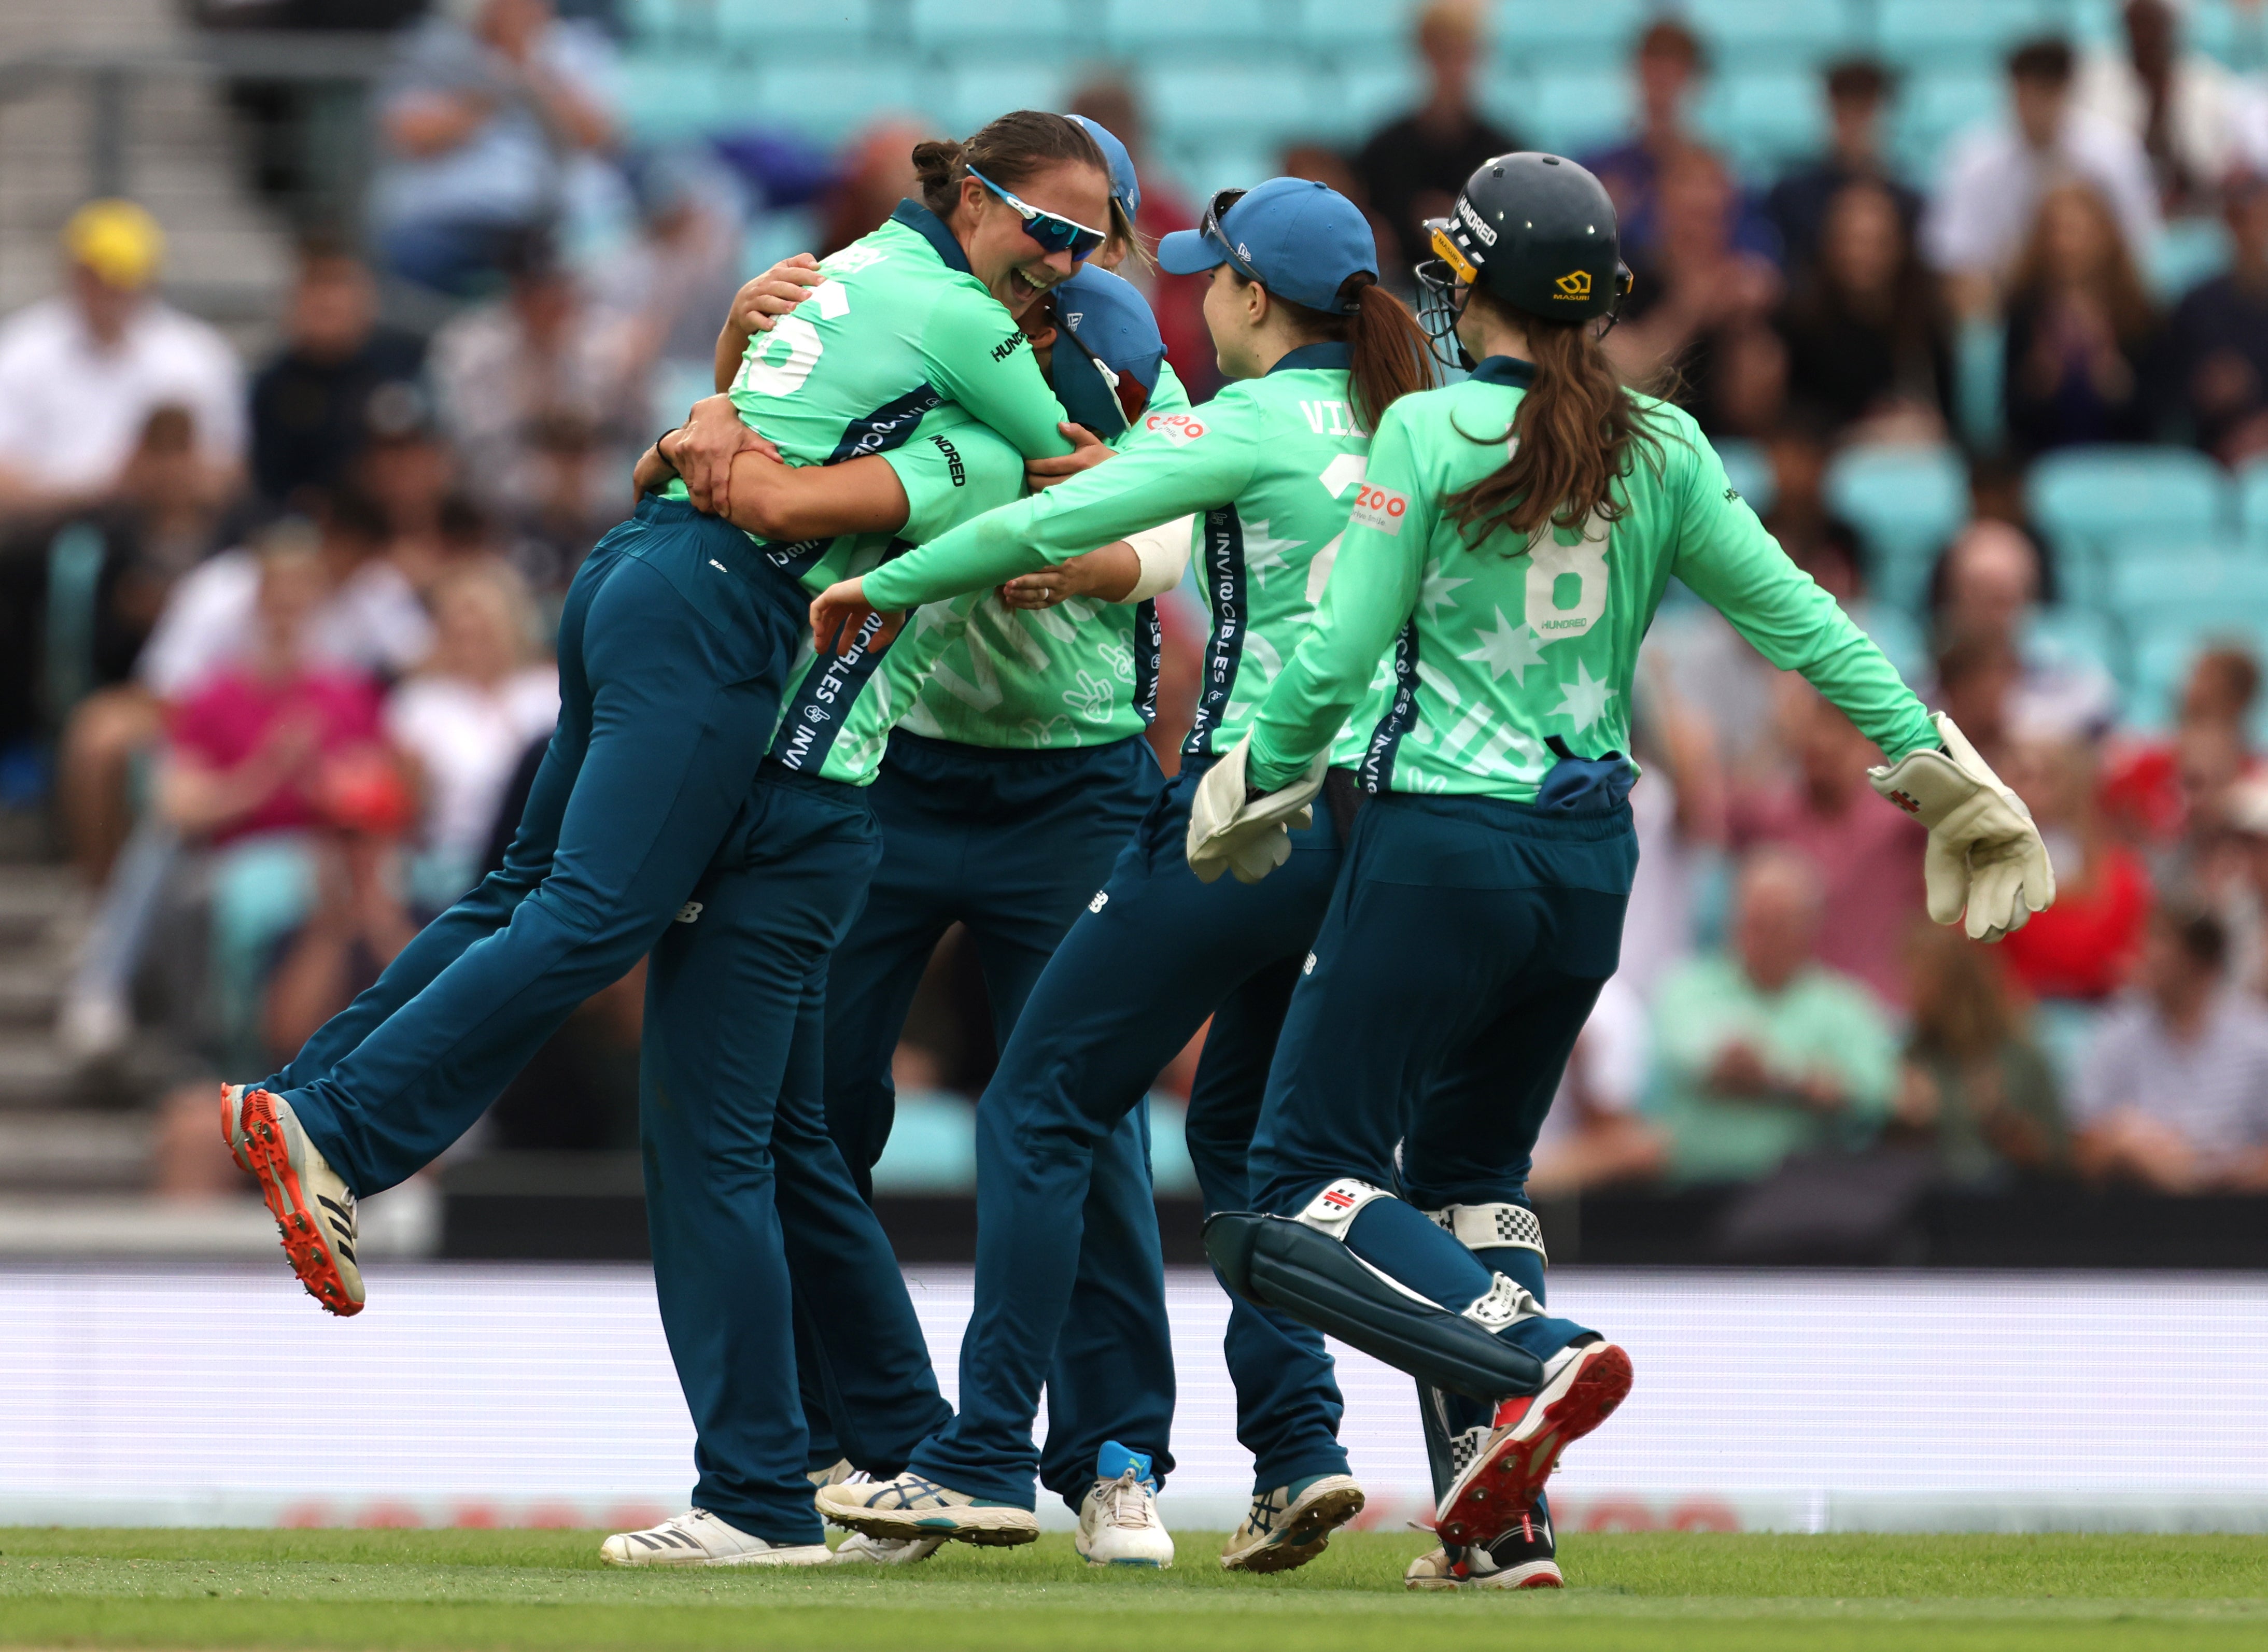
1126,1505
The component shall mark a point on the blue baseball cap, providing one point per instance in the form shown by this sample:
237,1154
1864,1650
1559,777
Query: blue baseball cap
1300,238
1125,188
1110,327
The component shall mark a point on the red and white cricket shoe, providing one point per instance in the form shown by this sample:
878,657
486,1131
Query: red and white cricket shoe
313,1208
1582,1385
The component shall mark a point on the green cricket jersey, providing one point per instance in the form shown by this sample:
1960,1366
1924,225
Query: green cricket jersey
899,328
1498,649
972,670
1271,464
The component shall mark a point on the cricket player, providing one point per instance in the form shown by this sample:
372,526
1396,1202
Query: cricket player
1514,538
1271,467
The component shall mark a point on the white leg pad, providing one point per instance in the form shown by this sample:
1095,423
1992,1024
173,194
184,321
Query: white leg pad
1507,1303
1492,1227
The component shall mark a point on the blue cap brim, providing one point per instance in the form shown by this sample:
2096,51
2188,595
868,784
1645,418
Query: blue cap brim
1190,252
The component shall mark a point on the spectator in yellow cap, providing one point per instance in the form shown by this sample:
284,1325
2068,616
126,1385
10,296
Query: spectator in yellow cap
81,372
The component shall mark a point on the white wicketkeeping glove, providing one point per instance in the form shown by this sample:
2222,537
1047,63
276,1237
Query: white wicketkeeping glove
1985,853
1253,839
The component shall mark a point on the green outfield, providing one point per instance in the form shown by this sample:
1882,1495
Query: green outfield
545,1590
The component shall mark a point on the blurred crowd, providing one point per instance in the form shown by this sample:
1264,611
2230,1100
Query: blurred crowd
278,625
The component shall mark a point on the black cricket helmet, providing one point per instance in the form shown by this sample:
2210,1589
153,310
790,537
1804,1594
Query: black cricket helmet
1535,232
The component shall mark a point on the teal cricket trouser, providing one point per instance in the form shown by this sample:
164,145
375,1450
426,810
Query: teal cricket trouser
1012,844
1154,955
1465,945
751,1208
674,643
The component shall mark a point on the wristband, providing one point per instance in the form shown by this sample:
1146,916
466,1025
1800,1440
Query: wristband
658,440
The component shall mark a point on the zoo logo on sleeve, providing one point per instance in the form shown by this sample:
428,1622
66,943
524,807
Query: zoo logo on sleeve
1379,508
1179,428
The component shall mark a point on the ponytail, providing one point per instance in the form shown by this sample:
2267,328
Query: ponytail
1008,151
1571,439
1389,355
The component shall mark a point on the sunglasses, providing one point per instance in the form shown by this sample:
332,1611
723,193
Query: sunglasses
1210,227
1050,230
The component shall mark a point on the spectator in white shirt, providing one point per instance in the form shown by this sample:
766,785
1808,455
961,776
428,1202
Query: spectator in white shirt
81,372
2174,1091
1976,223
467,718
1593,1135
2187,111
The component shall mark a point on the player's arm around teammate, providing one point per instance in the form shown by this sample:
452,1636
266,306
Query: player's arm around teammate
1514,536
676,637
1271,465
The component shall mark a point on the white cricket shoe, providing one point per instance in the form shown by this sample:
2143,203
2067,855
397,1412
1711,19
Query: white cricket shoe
1118,1522
914,1506
698,1538
1582,1385
1291,1525
313,1209
858,1549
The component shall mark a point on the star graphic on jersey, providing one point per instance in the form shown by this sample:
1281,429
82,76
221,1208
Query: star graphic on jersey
1436,591
1509,648
1584,701
1263,552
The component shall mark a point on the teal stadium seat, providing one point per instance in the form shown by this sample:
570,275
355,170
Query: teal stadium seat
1572,111
2188,251
2156,584
763,28
1554,34
2164,656
1933,109
1362,97
2088,501
2252,505
1245,104
1766,119
960,28
1202,167
1970,33
2071,634
1354,30
828,100
1742,33
974,90
932,1145
1158,29
1906,501
667,97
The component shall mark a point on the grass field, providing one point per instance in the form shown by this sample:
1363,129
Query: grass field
544,1589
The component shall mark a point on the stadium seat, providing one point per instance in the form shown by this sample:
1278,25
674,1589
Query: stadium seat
759,28
979,89
1971,33
1363,97
2252,505
2089,499
933,1147
957,27
2068,633
1158,28
2163,657
1353,31
1934,109
1746,32
2153,584
667,97
1595,34
1906,501
656,22
2188,251
1248,104
1575,112
827,100
1766,119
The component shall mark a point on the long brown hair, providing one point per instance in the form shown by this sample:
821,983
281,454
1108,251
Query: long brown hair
2114,281
1389,356
1008,151
1570,440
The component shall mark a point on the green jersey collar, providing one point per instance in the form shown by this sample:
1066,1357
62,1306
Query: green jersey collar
931,228
1506,370
1315,358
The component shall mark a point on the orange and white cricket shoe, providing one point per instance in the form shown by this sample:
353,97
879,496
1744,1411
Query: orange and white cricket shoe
1582,1385
313,1209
